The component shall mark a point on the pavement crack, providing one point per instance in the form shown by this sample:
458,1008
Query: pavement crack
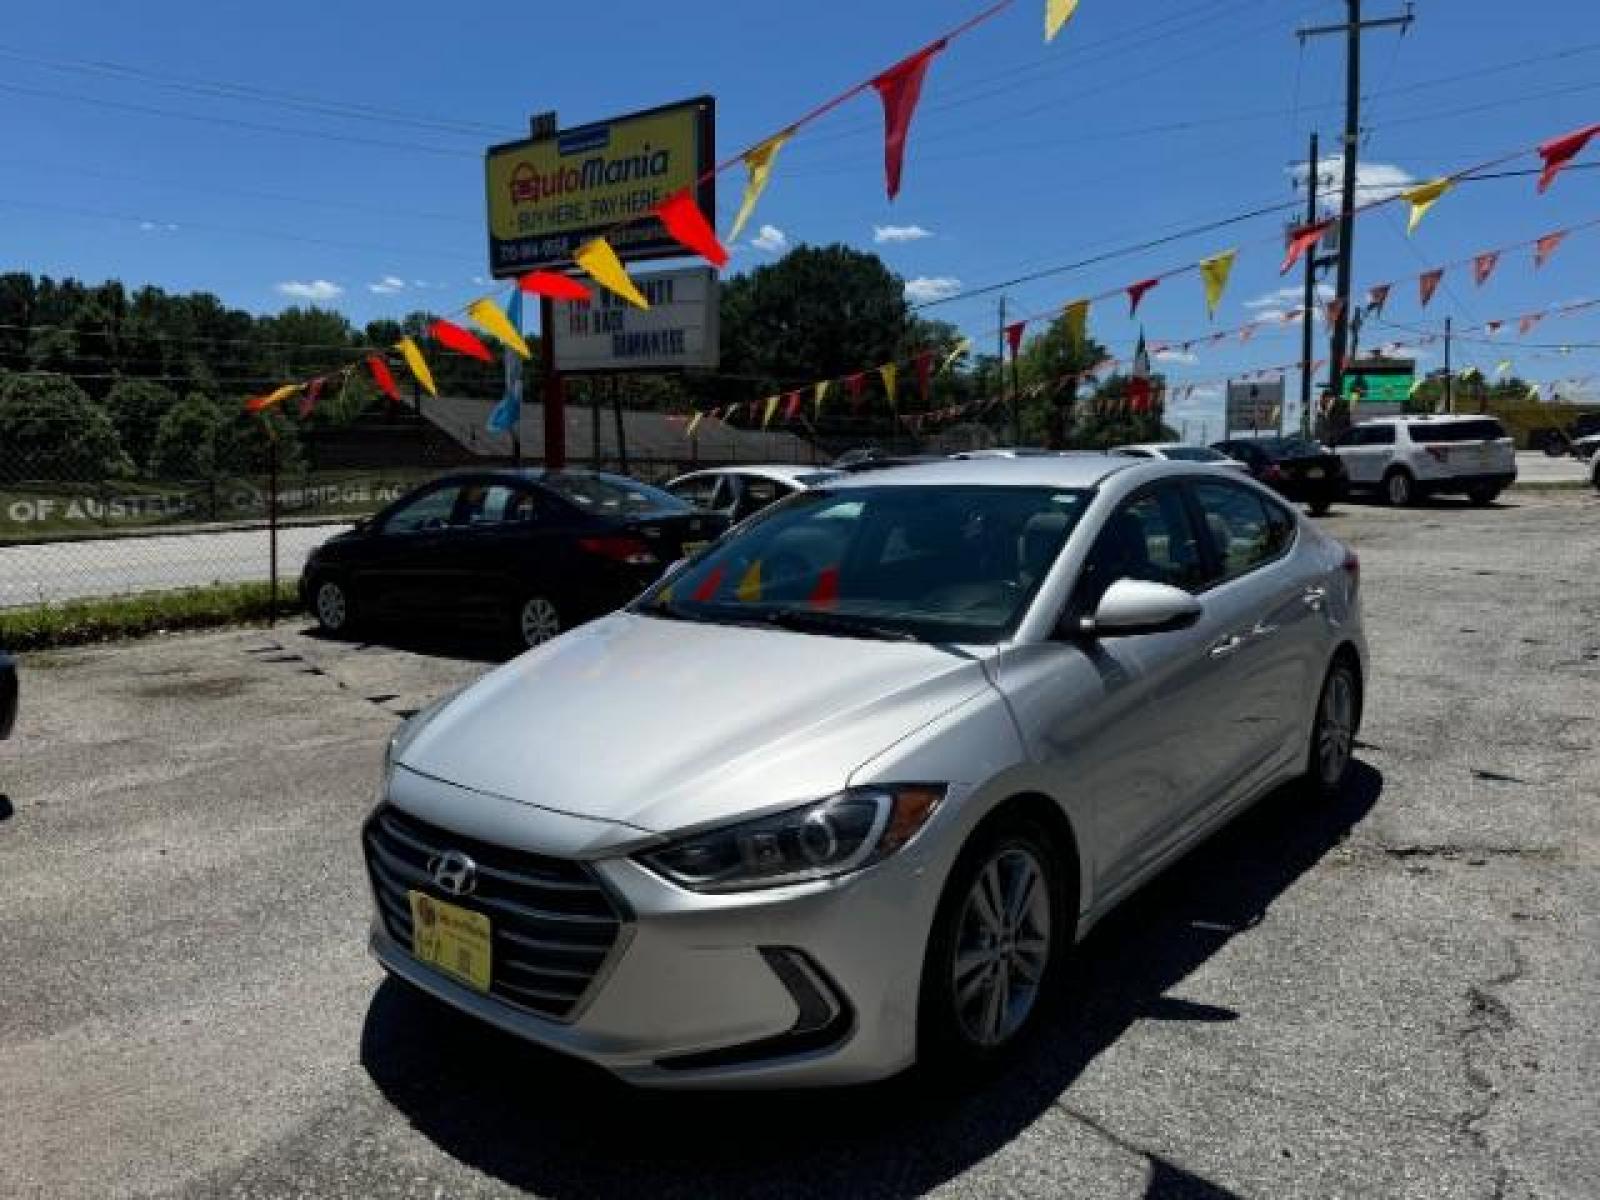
1481,1040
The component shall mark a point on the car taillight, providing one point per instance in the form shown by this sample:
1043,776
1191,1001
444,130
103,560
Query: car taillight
620,549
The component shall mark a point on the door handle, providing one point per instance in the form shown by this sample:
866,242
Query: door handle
1262,630
1223,647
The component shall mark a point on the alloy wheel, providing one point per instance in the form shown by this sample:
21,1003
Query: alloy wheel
1336,723
333,610
1002,947
538,621
1398,489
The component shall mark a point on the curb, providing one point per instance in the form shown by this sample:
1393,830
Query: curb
150,531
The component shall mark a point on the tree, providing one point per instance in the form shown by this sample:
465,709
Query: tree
51,429
185,442
136,409
1049,367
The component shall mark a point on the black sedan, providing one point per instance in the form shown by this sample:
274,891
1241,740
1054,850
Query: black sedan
8,695
529,552
1294,467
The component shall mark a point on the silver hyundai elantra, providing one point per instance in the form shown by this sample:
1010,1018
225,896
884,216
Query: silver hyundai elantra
841,791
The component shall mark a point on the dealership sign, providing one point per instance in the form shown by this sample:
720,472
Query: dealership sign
547,196
1255,405
679,329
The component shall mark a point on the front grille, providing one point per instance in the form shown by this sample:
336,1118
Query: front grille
553,924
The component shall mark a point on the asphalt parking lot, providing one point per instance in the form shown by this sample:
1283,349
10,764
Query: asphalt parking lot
1397,995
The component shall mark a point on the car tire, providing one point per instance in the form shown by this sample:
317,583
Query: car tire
1333,730
332,606
1483,495
1319,508
977,1001
538,621
1399,489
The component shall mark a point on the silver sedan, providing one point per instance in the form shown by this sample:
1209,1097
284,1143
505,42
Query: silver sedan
840,792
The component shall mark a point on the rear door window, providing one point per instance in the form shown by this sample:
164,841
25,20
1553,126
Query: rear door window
1243,534
1151,538
697,491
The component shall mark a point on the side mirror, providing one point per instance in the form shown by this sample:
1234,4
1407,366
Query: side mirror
1134,606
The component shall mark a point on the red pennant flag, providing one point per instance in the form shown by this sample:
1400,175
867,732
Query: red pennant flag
313,393
556,287
1428,283
853,385
1245,334
1528,322
1139,393
1379,296
455,338
688,225
1493,326
826,593
923,362
1136,293
1013,333
791,406
1301,239
1483,266
383,376
1332,311
900,87
1558,152
1546,246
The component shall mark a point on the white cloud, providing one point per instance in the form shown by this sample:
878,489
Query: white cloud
1286,298
387,286
479,279
315,289
771,239
1175,356
157,227
899,233
926,288
1374,180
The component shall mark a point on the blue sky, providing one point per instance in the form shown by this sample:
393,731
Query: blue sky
1142,119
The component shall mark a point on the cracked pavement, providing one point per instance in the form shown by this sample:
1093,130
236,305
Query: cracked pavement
1395,995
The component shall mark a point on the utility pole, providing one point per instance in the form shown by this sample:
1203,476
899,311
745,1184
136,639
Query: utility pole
1449,375
1352,30
1016,400
1307,315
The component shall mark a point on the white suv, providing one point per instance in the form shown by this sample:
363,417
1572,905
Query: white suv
1402,458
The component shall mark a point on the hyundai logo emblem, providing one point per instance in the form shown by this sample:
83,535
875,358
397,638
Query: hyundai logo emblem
454,872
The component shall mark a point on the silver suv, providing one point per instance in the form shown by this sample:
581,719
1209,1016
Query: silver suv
1403,458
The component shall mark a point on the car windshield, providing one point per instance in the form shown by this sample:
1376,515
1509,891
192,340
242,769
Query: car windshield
614,495
926,563
1193,454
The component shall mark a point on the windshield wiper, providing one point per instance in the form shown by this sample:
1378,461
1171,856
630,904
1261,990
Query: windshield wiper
807,621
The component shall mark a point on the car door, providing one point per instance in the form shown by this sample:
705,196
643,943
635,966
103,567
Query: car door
403,573
1124,722
1263,652
497,549
1365,451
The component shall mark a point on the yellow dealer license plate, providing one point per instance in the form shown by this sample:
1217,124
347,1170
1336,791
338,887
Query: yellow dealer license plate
454,939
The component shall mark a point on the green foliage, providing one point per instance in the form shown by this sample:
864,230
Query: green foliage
81,621
199,439
136,409
1049,366
51,429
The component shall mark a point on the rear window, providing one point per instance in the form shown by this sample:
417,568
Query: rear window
614,495
1485,430
1193,454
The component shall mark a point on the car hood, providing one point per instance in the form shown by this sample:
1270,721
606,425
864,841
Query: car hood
664,725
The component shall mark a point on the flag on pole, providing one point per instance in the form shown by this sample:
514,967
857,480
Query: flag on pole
507,415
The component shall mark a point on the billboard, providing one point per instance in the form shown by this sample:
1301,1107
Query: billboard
679,329
1255,405
1380,381
546,197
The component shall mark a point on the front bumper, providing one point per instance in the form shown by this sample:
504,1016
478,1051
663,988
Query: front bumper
814,984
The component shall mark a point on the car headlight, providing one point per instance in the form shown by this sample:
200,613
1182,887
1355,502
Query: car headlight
839,834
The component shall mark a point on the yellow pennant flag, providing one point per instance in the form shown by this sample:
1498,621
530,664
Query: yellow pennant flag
758,163
272,399
1056,14
419,366
694,423
1214,271
1423,198
772,407
889,372
749,589
1076,315
960,349
822,390
601,261
487,313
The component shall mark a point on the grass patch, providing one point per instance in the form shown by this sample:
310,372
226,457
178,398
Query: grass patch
77,622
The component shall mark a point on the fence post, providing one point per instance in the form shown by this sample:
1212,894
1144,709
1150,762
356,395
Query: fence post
272,527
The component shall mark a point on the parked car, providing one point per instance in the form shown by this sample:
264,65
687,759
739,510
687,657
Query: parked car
1404,458
529,552
1584,448
8,695
742,491
1004,452
1594,470
1181,452
1294,467
840,793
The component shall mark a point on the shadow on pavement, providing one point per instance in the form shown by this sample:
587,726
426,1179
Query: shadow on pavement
440,643
536,1120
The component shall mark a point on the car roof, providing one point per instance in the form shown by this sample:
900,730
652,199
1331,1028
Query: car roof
783,472
1429,418
1073,470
